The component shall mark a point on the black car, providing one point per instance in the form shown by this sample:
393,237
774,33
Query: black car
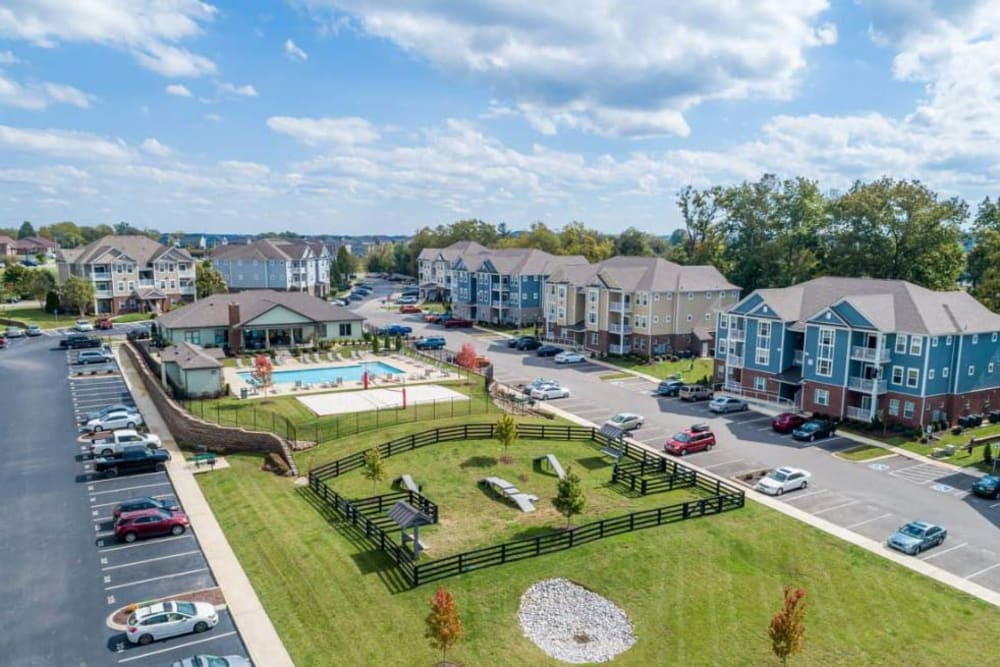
529,344
987,487
132,460
79,341
548,351
147,503
138,333
513,342
815,429
669,387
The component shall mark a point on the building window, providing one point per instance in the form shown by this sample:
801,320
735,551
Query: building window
989,368
193,337
947,341
121,286
894,407
593,339
708,296
897,375
908,409
912,377
723,322
821,397
972,370
668,318
346,329
900,343
592,318
760,383
824,352
670,296
944,372
930,373
690,317
131,284
656,296
916,345
690,296
593,296
975,339
934,341
763,354
656,319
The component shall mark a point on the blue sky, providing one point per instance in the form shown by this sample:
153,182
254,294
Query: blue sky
361,116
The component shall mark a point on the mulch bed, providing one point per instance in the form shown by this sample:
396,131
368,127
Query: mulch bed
752,477
212,595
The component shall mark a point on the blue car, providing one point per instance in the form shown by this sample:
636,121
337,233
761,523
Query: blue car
916,536
396,330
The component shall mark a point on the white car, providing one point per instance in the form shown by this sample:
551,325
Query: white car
213,661
783,479
169,619
626,421
14,332
540,382
119,440
114,420
569,357
547,391
83,325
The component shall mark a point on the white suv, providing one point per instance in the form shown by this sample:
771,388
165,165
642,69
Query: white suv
169,619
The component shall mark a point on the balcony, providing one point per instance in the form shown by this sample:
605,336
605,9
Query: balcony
617,349
500,303
620,306
620,328
870,354
736,334
797,358
186,289
734,360
147,283
103,294
858,414
867,386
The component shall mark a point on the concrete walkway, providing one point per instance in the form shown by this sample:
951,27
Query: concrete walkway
255,627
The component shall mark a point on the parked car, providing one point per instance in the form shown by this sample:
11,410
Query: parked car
94,357
140,524
430,343
132,460
547,391
29,262
695,439
410,309
77,341
114,420
395,330
916,536
3,343
528,344
144,503
787,422
14,332
725,404
548,350
695,392
213,661
83,325
780,480
169,619
407,300
119,440
539,382
139,333
33,330
669,388
987,487
441,318
569,357
626,421
103,323
457,323
354,296
814,429
103,412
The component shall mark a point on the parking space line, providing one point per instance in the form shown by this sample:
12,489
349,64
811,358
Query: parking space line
177,646
145,544
128,488
150,560
750,421
724,463
984,570
861,523
836,507
116,502
805,495
166,576
941,553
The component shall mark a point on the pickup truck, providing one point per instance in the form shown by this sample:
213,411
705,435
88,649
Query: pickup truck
119,440
77,341
132,460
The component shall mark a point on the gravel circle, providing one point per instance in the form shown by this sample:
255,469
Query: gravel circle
573,624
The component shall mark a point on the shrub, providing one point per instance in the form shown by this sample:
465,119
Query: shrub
957,430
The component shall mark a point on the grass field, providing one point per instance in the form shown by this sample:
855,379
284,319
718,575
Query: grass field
33,315
615,376
131,317
863,453
689,370
698,593
961,457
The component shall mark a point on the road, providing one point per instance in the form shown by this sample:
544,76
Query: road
871,499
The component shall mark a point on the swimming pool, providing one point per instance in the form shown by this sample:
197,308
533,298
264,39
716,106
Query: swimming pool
318,375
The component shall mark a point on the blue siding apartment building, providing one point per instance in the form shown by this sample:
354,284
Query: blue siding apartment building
862,349
276,264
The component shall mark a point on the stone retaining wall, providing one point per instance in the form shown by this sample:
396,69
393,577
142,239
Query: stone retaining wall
190,432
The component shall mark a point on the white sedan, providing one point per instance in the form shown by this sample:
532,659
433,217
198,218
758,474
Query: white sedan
569,357
783,479
169,619
114,420
83,325
547,391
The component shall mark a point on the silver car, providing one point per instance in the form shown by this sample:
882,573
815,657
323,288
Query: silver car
724,404
213,661
114,420
169,619
15,332
626,421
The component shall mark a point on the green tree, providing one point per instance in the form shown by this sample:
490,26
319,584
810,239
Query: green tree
14,277
397,343
376,344
576,239
38,283
91,234
52,302
702,240
66,234
539,236
374,468
633,243
26,230
506,431
208,280
444,627
343,267
787,629
569,500
77,293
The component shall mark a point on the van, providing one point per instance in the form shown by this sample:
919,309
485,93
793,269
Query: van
695,392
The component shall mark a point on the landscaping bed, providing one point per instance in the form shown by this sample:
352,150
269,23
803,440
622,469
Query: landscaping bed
692,371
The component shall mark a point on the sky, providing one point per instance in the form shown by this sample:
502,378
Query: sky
383,116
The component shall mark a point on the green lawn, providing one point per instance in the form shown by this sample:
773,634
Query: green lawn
131,317
698,593
31,315
863,453
615,376
960,458
689,370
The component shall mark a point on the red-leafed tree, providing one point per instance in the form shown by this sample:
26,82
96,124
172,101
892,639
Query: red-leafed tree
787,630
262,371
466,357
444,627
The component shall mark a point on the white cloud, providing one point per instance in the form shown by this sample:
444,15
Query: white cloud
178,89
618,67
36,96
247,170
154,147
315,131
8,58
147,29
226,89
294,52
63,144
213,117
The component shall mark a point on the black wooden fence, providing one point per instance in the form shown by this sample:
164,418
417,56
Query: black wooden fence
367,514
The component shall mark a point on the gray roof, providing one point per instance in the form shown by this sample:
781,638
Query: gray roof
189,356
263,249
452,252
407,516
644,274
890,305
213,311
142,249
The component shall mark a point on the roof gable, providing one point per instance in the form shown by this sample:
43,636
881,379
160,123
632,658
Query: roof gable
827,317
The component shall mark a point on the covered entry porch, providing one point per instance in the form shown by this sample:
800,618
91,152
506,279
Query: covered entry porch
265,337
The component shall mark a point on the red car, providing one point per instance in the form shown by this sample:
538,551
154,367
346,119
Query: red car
456,324
3,342
131,526
695,439
410,309
787,422
103,323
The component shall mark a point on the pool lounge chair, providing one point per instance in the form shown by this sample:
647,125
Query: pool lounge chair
239,362
315,358
329,356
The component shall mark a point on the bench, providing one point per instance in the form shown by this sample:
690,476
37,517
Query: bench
406,482
553,462
207,458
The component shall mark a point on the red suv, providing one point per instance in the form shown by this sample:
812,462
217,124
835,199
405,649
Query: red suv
457,323
103,323
131,526
787,422
695,439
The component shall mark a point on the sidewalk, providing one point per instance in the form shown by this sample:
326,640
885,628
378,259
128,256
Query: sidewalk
258,634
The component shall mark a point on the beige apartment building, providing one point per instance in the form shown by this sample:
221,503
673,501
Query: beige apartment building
642,305
131,274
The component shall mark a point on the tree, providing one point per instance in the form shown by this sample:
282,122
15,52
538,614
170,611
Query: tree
26,230
466,357
343,266
97,232
52,302
702,241
988,454
38,283
15,278
208,280
397,343
374,467
66,234
569,500
633,243
506,431
263,371
577,239
376,344
77,293
444,627
787,630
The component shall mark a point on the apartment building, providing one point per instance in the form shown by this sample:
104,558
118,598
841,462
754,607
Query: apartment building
434,268
275,264
863,349
643,305
131,273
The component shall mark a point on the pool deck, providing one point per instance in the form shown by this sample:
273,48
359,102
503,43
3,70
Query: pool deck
414,372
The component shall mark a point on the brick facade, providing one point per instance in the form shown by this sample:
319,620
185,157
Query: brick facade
835,404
